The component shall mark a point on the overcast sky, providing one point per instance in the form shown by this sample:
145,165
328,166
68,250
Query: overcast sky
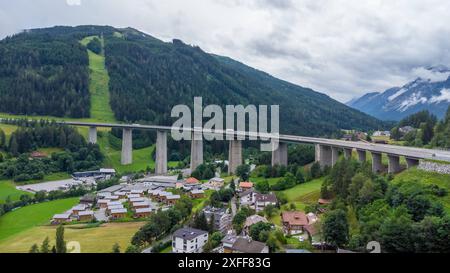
341,48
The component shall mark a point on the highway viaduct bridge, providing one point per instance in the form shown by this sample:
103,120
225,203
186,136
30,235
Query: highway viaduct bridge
327,150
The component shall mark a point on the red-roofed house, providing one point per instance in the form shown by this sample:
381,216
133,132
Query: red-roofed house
294,221
245,185
192,180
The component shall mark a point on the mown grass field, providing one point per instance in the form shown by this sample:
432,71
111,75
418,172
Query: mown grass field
301,195
427,178
8,189
99,85
92,240
32,216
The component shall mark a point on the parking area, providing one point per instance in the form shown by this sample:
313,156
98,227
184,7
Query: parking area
50,186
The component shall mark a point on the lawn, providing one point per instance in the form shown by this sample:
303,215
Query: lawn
8,129
8,188
92,240
427,178
301,195
303,192
98,85
272,181
198,204
142,158
31,216
47,178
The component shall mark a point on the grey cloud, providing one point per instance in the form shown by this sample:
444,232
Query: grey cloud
340,47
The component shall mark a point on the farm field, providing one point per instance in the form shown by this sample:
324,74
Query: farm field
92,239
8,189
32,216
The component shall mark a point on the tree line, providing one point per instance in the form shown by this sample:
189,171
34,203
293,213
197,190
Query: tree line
405,216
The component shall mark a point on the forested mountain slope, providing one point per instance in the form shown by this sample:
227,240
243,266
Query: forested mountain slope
148,77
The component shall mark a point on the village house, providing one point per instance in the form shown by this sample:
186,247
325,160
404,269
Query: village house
78,208
139,192
140,205
192,181
153,194
263,200
102,174
112,198
195,194
294,222
251,220
222,219
143,213
189,240
88,200
113,207
139,199
86,216
38,155
172,199
162,196
118,213
60,218
133,195
247,198
322,201
102,203
233,244
243,186
215,183
121,194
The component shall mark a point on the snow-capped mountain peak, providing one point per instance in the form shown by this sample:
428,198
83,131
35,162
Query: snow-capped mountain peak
429,91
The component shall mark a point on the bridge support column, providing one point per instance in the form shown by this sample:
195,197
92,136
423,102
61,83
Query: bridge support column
93,135
377,165
234,156
161,152
127,147
348,153
317,151
280,155
325,156
334,155
361,155
196,150
411,162
394,164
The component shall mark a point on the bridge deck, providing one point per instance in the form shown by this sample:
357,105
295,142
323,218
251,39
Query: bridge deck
411,152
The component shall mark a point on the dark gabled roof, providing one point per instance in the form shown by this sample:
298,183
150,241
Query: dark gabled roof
270,197
244,193
245,245
188,233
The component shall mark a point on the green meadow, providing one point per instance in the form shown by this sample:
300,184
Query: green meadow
31,216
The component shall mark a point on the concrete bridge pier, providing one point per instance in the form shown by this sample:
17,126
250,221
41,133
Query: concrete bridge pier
334,155
234,156
127,147
377,165
411,162
317,151
361,155
196,150
325,156
93,135
348,153
161,152
280,155
394,164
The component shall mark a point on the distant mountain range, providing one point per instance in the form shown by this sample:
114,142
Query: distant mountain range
430,91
